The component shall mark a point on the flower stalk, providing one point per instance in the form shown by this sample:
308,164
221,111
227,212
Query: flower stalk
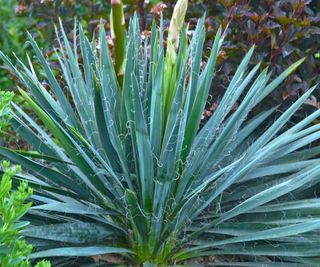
118,34
170,69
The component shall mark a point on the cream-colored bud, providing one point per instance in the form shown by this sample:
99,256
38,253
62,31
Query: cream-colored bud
176,22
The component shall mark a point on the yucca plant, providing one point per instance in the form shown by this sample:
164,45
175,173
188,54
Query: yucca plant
129,171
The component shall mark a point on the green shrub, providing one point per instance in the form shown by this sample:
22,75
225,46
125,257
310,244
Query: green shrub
5,100
12,37
128,170
14,251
